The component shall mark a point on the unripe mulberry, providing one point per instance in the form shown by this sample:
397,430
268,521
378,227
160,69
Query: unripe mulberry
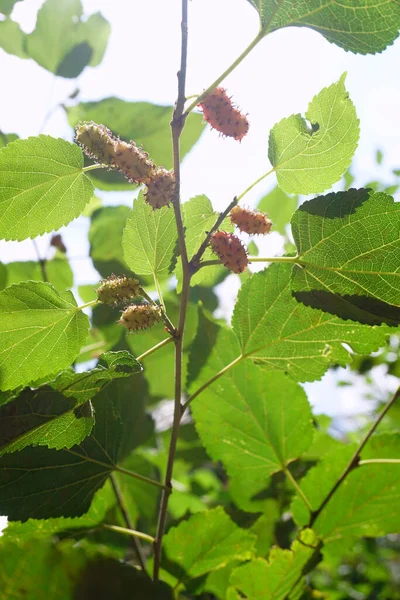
250,221
222,115
140,316
96,141
160,189
118,289
133,162
230,250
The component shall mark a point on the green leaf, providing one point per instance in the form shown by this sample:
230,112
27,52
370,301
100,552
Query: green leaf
349,256
149,240
140,498
280,207
109,578
7,6
105,237
198,217
42,186
3,276
65,44
103,501
277,332
41,332
309,160
256,423
217,541
367,502
364,28
7,138
12,38
277,577
58,272
147,124
39,483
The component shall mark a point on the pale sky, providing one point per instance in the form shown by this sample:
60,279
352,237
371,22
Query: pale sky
279,78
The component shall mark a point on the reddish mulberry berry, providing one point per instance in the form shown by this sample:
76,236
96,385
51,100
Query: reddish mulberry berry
133,162
223,116
118,289
230,250
140,316
160,189
250,221
96,141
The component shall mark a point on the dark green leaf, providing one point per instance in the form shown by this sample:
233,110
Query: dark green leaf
349,256
40,483
279,333
6,6
149,240
65,44
278,577
41,332
42,186
280,207
58,272
364,28
217,541
105,237
310,159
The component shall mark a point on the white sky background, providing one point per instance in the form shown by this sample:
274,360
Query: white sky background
279,78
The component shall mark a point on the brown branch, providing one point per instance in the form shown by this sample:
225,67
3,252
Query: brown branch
136,546
195,262
177,124
355,459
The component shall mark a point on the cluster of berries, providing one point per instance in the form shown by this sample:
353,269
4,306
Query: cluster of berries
220,112
120,290
99,143
228,246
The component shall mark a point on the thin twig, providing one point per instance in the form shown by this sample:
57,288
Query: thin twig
355,459
154,349
254,259
195,262
177,124
137,548
41,261
133,532
297,488
381,461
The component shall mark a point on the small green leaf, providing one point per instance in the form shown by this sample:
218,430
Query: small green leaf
105,237
148,125
149,240
42,186
12,38
349,256
39,483
6,6
65,44
367,502
310,159
277,332
217,541
277,577
280,207
58,272
364,28
379,157
41,332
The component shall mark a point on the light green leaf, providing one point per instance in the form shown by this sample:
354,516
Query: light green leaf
218,542
279,333
58,272
39,483
149,240
105,238
310,160
7,138
42,186
279,576
41,332
367,502
12,38
365,28
349,255
255,422
280,207
65,44
147,124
